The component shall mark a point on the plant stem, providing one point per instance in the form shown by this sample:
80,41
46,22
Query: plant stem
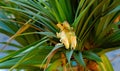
63,62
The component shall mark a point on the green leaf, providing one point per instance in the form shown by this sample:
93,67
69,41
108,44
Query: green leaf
60,10
5,27
20,51
53,66
63,4
79,58
69,55
105,65
36,60
52,52
91,55
12,44
76,21
49,34
32,51
81,3
115,10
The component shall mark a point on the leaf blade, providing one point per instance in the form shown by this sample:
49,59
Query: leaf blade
79,58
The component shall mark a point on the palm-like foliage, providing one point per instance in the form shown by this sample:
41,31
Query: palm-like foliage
33,23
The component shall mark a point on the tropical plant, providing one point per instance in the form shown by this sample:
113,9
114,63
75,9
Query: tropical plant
58,35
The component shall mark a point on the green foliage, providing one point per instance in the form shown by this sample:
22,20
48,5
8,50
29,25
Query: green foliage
54,65
91,55
69,54
32,23
79,58
105,65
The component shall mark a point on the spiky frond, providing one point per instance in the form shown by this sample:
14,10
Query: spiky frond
33,24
